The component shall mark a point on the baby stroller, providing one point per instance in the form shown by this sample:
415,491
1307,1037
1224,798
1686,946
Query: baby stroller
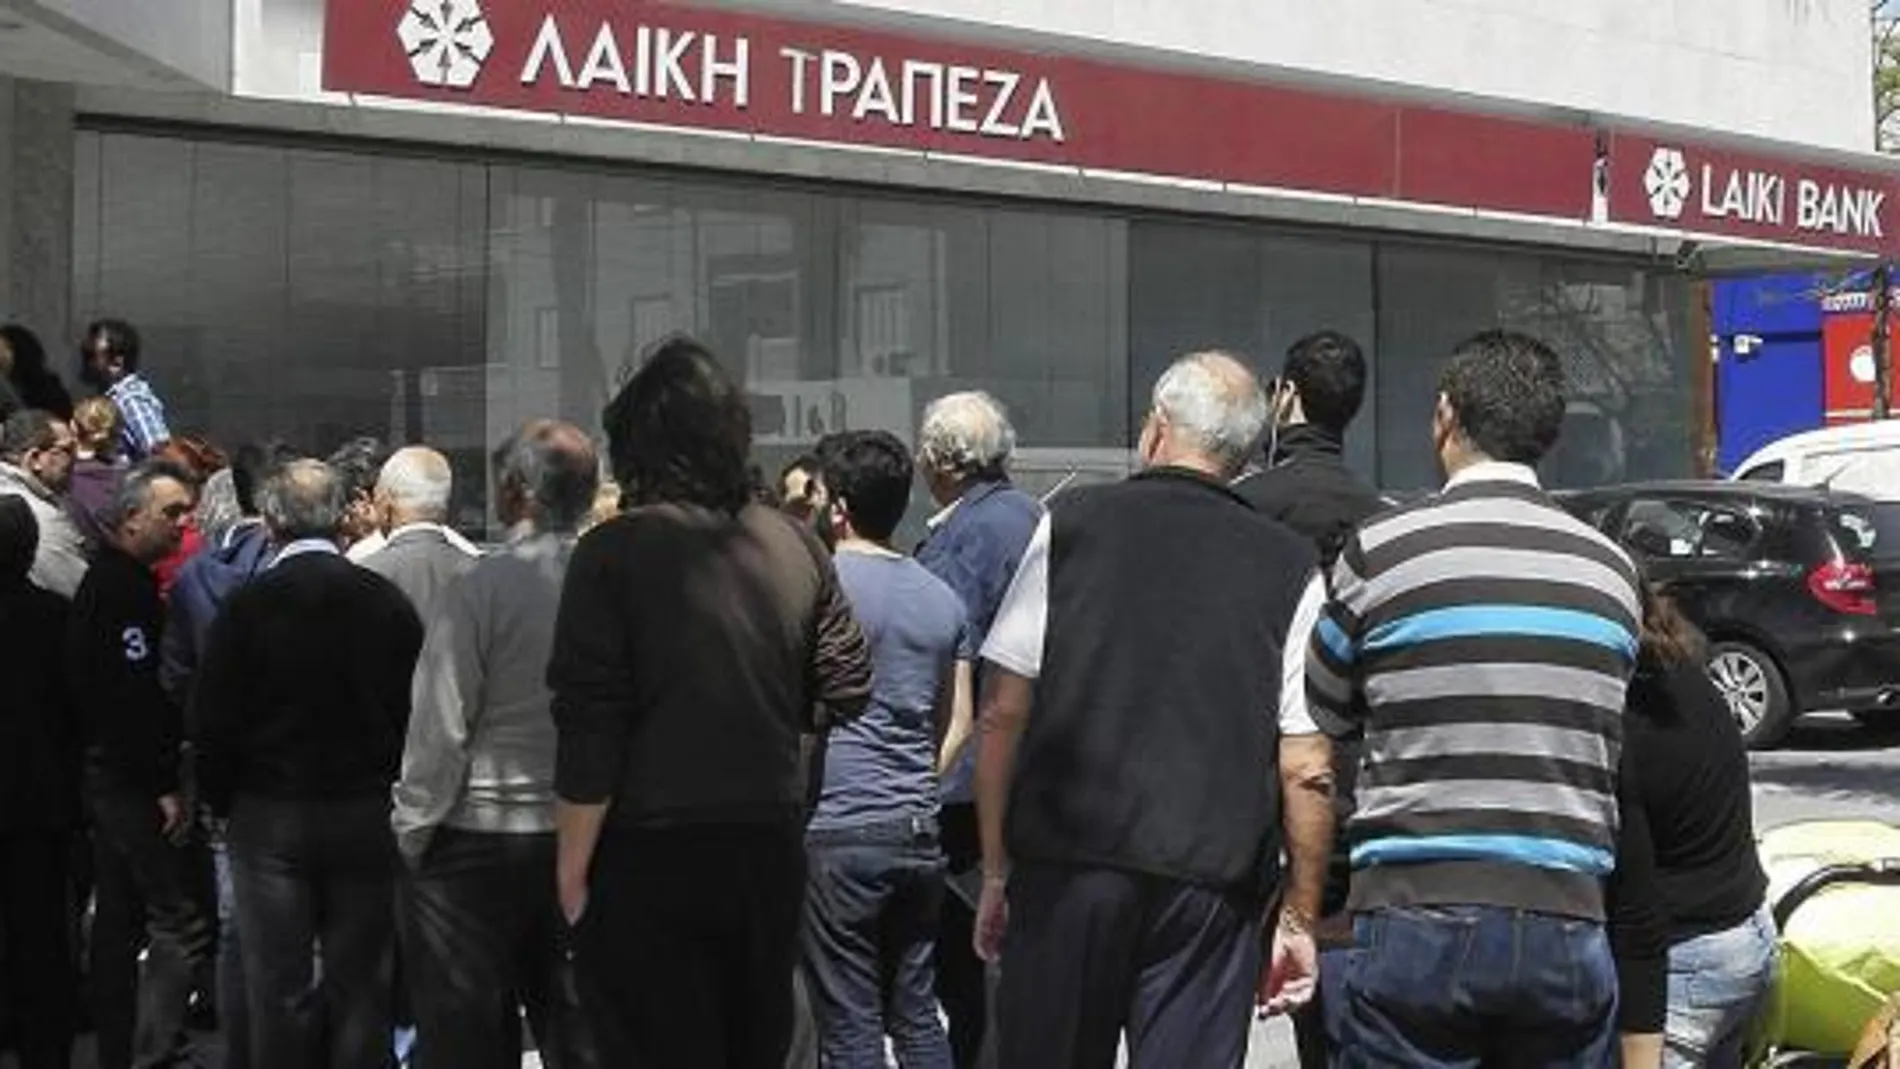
1834,887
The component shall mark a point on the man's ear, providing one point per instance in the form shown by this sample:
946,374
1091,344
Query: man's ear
1444,419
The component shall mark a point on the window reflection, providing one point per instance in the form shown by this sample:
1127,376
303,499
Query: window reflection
313,295
1621,332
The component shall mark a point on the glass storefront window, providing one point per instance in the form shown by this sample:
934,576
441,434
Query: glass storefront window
1204,286
313,294
1621,332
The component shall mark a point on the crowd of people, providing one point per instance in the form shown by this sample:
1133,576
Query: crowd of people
696,771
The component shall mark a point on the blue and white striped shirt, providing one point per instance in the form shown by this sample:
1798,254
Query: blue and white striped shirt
142,415
1485,638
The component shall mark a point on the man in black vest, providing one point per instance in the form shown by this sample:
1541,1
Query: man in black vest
1161,772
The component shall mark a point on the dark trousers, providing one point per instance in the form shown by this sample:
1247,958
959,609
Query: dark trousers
1479,986
315,890
234,1019
36,965
481,943
686,951
961,982
154,891
871,908
1091,952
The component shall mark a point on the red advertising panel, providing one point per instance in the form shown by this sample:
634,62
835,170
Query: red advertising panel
687,66
1848,353
1684,186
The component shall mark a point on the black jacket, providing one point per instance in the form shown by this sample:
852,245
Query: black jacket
1686,859
1308,487
40,734
112,655
692,653
304,689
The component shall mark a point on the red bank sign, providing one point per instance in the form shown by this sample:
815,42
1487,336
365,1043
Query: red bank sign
686,66
1744,195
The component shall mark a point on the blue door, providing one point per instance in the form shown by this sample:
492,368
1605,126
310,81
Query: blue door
1776,389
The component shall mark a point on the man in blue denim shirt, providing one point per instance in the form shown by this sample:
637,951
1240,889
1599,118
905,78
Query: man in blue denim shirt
974,546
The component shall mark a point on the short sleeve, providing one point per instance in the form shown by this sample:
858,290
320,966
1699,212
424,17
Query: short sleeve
1015,640
1296,718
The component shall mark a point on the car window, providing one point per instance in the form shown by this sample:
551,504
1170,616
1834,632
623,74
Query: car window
1873,473
1867,531
1688,530
1726,535
1770,472
1661,530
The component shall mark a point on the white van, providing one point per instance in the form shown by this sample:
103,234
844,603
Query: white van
1861,458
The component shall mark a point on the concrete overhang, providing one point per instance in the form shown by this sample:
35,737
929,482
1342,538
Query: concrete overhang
175,45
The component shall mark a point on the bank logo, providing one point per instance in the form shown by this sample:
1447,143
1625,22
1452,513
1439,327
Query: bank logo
446,41
1667,183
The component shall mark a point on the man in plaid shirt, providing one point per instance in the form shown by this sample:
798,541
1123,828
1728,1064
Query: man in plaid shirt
110,356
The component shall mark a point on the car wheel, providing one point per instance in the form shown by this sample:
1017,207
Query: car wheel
1757,696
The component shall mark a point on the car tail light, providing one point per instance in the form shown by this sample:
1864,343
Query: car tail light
1844,586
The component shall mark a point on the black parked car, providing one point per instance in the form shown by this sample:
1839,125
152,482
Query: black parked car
1797,588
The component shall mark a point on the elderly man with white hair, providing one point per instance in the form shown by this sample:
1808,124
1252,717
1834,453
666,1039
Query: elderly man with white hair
422,555
1151,766
974,546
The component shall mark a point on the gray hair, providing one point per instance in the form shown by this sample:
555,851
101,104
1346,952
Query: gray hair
1214,403
218,509
134,490
966,434
556,467
419,481
304,499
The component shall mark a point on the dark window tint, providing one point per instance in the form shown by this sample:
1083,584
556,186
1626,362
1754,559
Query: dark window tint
1770,472
1865,531
1688,530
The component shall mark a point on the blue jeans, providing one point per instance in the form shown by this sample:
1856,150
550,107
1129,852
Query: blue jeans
871,908
1717,983
1478,986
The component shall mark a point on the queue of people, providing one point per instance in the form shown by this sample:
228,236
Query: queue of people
688,772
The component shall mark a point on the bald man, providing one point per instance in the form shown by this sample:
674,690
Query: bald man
423,555
474,812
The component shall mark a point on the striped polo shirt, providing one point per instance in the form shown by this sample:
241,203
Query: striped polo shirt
1489,636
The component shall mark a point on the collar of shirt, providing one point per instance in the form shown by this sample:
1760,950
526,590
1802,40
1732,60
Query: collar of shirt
1496,471
975,493
306,545
27,481
942,515
127,386
868,549
365,546
449,535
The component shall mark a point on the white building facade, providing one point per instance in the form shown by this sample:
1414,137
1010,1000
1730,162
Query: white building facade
432,219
